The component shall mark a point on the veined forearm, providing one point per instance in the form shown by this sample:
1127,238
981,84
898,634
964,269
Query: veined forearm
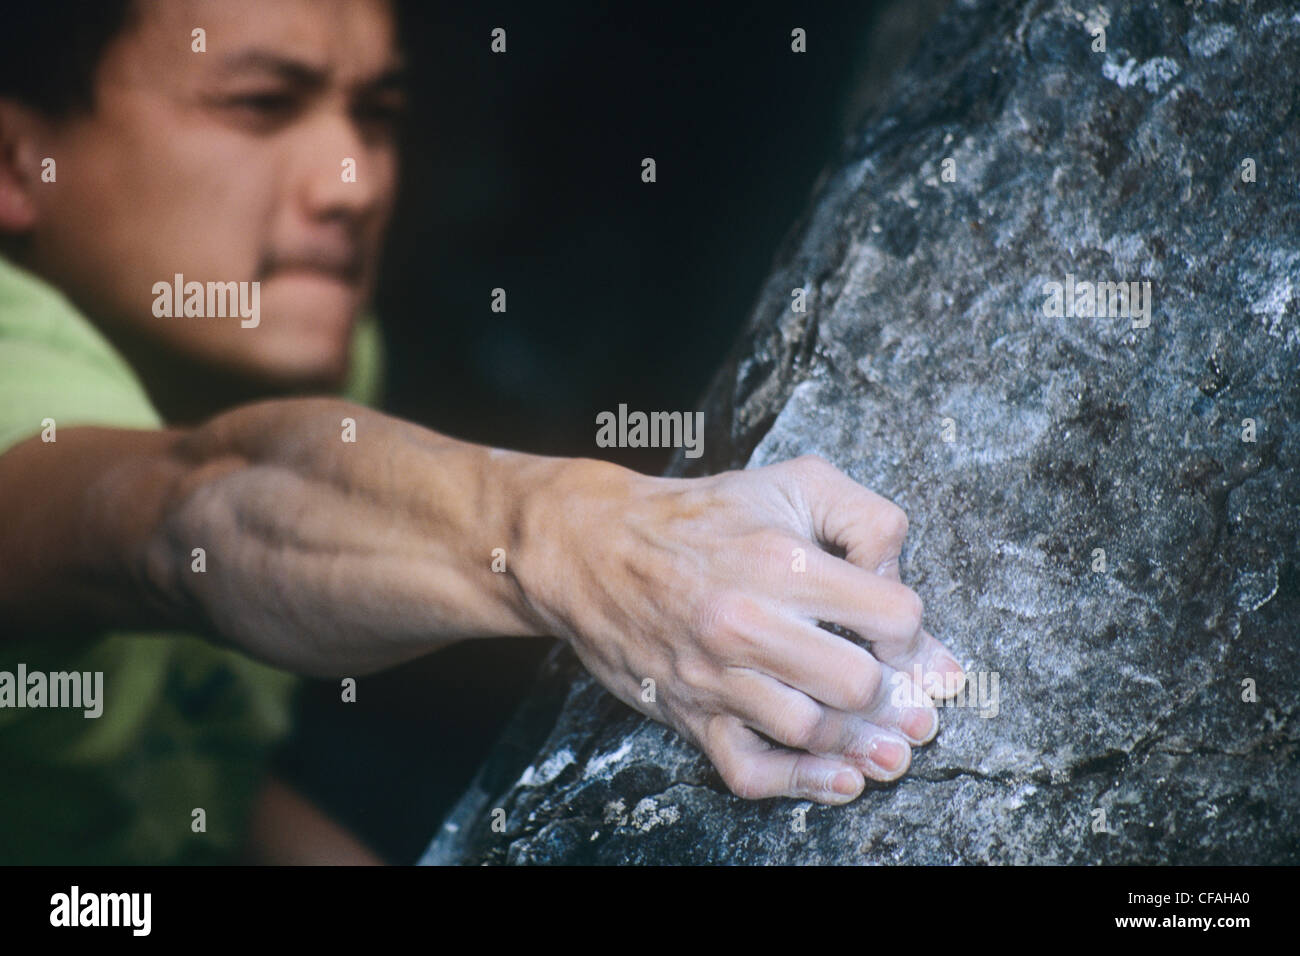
329,556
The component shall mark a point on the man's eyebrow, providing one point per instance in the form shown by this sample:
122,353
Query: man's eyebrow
394,74
267,61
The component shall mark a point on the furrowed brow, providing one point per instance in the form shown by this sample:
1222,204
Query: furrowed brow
265,62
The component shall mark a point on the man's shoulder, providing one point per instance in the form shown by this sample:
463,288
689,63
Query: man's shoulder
365,383
56,366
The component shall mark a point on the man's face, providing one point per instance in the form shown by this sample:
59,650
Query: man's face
226,165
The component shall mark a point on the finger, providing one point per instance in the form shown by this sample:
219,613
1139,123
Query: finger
822,665
942,676
885,613
905,707
754,769
889,570
868,528
836,673
929,664
877,746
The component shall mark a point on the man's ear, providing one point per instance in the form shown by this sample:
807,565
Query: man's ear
20,167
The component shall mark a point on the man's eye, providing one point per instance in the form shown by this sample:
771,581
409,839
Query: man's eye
263,104
382,111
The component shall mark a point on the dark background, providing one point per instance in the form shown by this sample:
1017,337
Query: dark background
523,171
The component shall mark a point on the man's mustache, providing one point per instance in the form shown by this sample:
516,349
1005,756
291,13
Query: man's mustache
344,262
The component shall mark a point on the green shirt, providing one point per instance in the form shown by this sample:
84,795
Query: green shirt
185,725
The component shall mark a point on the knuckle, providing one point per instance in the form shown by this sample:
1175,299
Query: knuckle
692,673
814,465
806,781
742,776
728,619
893,523
907,613
800,724
775,550
864,690
913,609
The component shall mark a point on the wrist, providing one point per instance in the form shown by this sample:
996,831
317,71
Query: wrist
564,504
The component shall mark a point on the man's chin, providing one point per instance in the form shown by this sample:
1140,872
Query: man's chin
303,364
313,356
306,331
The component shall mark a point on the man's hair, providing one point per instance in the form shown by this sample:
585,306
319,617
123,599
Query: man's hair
50,51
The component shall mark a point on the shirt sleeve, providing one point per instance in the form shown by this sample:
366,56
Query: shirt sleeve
55,365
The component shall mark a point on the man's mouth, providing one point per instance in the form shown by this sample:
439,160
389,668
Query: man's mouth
340,265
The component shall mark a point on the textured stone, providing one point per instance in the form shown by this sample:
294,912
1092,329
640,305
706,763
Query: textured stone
1119,690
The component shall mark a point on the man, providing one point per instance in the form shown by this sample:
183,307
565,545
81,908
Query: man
163,482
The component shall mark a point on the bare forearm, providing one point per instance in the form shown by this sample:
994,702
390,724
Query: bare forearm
79,511
327,556
264,528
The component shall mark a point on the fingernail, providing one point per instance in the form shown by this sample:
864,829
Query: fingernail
887,754
920,723
943,675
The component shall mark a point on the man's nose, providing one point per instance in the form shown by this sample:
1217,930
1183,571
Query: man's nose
341,174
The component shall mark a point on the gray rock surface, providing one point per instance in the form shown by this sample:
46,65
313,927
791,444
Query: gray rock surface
1119,690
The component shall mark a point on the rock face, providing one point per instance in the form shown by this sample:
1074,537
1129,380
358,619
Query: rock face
1146,707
